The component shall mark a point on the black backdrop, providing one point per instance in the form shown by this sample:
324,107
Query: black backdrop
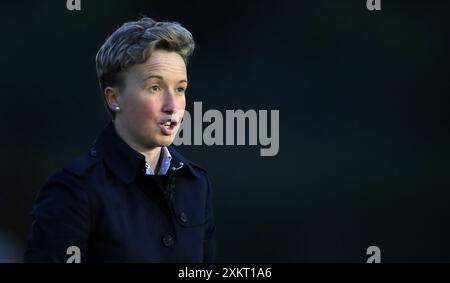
364,122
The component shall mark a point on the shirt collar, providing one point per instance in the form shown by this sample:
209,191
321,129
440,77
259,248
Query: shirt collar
125,162
164,161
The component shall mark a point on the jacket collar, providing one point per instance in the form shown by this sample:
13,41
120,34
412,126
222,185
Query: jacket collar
180,163
125,162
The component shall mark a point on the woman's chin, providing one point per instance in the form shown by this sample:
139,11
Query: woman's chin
164,140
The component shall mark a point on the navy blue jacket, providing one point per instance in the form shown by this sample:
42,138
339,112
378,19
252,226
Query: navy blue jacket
104,204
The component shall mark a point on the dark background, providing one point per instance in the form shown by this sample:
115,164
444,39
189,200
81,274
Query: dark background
364,121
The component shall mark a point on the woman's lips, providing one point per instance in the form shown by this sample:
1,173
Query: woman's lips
168,127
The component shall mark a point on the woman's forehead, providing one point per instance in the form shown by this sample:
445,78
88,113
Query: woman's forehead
162,65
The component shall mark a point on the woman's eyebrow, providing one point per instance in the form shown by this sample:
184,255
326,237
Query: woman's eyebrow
161,78
153,76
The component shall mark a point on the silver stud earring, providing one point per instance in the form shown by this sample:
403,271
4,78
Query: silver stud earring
117,108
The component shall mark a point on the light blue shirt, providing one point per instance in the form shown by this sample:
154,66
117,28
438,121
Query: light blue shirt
165,159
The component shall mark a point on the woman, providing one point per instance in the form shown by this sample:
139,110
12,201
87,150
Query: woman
132,197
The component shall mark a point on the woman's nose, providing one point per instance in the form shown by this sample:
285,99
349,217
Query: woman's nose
169,103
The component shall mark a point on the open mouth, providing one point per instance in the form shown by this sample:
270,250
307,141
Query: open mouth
169,124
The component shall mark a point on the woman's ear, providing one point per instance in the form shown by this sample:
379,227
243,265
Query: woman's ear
111,97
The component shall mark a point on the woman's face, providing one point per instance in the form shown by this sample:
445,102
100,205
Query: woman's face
152,100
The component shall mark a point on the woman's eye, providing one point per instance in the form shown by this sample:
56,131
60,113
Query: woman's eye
154,88
181,89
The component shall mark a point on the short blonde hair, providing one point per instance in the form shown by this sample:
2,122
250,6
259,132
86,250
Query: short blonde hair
133,43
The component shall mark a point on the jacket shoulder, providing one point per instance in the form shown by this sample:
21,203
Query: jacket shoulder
80,165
